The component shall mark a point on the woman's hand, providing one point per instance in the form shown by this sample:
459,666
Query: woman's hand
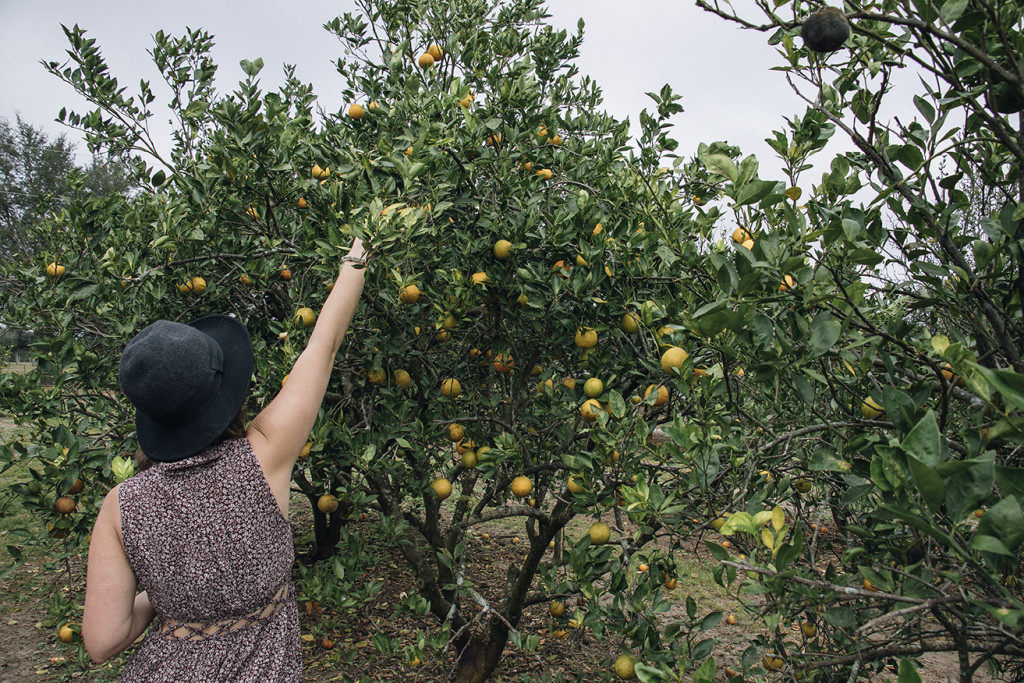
357,250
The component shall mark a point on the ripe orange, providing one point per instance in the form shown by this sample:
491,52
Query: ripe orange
787,283
662,394
55,271
503,363
480,278
455,432
574,486
376,376
65,505
426,60
321,173
442,488
66,633
599,533
327,504
356,111
410,294
502,250
76,487
521,486
305,317
464,447
739,235
544,174
451,387
245,280
435,51
590,408
402,379
673,359
286,274
670,582
304,453
630,323
586,337
625,668
870,409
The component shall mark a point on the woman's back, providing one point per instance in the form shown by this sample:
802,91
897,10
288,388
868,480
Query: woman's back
207,541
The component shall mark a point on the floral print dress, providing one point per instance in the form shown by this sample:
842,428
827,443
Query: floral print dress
209,544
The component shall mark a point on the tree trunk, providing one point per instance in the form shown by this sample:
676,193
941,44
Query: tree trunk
481,654
326,532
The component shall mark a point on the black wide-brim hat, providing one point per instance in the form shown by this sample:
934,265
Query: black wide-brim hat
187,383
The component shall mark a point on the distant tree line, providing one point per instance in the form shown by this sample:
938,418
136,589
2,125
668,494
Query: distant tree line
38,176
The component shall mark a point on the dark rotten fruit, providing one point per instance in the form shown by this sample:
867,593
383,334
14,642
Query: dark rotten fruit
825,31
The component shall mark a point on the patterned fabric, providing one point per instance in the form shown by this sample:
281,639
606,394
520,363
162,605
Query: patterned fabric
207,540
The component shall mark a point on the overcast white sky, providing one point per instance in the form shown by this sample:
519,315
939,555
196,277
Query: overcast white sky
729,92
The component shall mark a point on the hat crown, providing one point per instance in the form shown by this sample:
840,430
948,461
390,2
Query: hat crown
170,372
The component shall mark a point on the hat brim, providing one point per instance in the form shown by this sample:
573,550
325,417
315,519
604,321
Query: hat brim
166,444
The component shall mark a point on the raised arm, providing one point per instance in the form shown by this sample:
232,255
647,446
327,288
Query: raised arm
281,429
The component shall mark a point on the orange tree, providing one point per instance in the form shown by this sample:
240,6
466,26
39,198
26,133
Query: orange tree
518,254
873,489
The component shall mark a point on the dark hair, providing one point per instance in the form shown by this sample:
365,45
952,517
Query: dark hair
235,430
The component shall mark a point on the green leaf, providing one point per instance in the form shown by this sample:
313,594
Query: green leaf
908,672
929,483
924,442
1008,383
1004,521
840,617
951,11
923,105
252,68
754,191
824,333
723,166
649,674
1010,480
968,484
804,389
988,544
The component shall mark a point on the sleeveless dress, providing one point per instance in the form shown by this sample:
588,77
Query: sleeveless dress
207,540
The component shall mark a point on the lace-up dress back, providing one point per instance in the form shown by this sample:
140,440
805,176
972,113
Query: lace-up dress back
207,540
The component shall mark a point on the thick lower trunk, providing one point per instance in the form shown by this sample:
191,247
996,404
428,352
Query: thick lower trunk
326,532
481,655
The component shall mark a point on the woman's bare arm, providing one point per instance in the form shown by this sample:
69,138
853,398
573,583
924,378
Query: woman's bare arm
281,429
114,614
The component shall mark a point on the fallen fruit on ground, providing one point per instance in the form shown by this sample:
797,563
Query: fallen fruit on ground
625,667
66,633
